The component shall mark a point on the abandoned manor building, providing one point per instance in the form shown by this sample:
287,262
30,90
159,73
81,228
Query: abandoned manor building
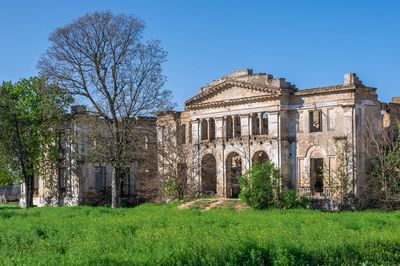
231,123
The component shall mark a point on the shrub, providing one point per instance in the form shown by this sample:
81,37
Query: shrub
289,200
260,189
260,186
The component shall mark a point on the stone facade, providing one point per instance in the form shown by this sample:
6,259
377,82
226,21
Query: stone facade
232,122
77,180
244,117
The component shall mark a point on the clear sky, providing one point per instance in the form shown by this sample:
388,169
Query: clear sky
310,43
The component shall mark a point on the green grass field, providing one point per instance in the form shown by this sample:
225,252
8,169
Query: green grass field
164,235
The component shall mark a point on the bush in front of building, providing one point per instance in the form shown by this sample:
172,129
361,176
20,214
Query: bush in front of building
260,188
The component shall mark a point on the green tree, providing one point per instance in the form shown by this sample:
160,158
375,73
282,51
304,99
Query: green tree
5,178
260,186
31,112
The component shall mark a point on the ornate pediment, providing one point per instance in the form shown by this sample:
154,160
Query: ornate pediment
231,92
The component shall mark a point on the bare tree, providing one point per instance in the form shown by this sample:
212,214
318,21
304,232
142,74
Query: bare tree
178,166
101,59
381,144
340,177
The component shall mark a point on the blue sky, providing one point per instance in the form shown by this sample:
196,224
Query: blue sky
310,43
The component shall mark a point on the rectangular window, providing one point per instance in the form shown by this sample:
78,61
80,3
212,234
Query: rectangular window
62,173
100,176
316,121
317,174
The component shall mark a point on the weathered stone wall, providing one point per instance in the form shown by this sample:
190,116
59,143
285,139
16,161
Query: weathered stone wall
290,144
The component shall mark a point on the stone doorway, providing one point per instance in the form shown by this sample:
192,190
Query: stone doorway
317,174
208,175
233,172
260,156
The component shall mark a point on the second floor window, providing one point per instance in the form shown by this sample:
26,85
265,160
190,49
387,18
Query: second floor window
316,121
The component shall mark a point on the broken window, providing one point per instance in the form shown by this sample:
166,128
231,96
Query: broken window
100,177
229,127
204,129
238,128
255,122
62,179
211,123
264,121
316,121
317,174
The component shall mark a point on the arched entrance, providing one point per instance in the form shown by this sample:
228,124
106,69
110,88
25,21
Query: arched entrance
233,172
260,156
209,175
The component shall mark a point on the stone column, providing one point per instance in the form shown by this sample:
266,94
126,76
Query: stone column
251,124
219,130
196,131
274,123
245,123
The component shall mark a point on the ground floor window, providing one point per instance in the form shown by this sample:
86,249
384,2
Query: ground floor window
317,174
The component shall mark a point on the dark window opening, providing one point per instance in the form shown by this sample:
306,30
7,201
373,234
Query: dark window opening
255,122
229,127
264,124
211,123
316,121
317,174
100,176
62,179
238,129
204,129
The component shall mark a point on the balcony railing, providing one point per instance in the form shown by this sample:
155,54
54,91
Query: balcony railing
327,193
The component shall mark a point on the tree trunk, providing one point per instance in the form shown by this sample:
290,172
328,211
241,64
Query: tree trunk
31,190
116,187
27,196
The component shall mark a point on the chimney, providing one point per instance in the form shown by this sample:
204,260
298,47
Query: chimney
352,79
396,100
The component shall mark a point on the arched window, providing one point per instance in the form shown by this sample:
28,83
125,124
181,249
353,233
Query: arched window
229,127
204,129
211,124
264,129
260,156
209,174
238,127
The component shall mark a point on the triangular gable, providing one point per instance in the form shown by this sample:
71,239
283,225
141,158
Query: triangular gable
230,92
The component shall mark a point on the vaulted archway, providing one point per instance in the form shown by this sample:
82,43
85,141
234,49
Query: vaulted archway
209,175
260,156
233,172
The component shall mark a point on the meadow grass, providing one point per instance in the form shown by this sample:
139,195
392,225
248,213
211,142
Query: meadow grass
163,235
